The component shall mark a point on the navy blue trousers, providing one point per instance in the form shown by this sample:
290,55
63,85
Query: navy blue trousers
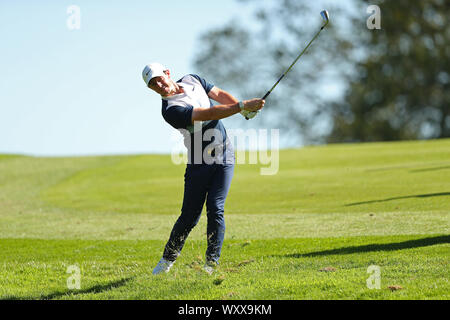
202,182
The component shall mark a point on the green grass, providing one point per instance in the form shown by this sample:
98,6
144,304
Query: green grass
350,178
259,269
340,206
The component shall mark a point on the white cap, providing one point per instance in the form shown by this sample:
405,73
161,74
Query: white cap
152,70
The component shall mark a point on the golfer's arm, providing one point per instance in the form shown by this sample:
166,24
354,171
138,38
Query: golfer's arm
221,96
229,105
215,112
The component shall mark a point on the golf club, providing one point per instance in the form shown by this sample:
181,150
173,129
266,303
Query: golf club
325,17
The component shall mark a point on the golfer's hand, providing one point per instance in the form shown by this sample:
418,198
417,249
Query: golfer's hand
253,104
249,114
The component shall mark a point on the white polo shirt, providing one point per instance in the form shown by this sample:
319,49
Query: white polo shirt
177,111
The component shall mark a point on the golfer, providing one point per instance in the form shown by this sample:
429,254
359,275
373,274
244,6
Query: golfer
186,106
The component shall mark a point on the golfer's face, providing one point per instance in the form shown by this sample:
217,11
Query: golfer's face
161,85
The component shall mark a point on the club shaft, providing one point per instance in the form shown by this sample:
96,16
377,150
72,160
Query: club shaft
293,63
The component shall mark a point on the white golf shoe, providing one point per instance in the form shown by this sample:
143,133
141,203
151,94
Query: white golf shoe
163,266
210,267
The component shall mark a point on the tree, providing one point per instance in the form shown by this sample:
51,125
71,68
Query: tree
394,82
401,89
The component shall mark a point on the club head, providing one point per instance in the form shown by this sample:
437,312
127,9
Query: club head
325,16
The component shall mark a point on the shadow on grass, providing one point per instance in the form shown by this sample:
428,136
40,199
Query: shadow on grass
429,195
431,169
376,247
95,289
409,166
388,168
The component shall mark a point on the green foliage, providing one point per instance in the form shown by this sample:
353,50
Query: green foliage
401,89
247,57
395,81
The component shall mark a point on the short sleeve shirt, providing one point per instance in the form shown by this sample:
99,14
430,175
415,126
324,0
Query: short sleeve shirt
211,134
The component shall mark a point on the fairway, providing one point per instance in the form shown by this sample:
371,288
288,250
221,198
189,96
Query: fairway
309,232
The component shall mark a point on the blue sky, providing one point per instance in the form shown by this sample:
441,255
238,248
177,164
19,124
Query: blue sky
80,92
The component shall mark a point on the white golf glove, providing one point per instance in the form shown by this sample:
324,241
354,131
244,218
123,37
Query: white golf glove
249,114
